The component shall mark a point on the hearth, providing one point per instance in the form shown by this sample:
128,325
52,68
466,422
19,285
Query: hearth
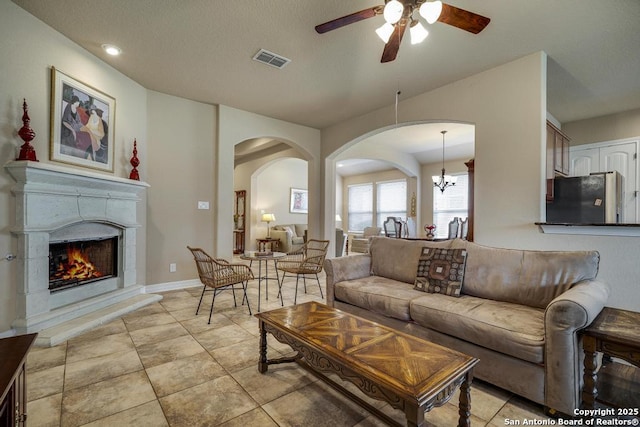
67,221
82,262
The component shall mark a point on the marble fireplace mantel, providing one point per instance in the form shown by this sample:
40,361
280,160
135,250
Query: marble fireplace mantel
50,198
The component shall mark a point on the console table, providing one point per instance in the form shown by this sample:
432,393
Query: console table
614,333
13,379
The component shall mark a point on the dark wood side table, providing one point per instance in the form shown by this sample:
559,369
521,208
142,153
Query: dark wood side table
274,244
13,379
614,333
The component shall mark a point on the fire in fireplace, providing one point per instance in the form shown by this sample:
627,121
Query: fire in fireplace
77,263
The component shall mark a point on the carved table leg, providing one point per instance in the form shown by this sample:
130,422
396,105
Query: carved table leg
464,407
414,414
262,363
589,390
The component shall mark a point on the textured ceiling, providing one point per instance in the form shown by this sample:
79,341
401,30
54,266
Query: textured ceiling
202,50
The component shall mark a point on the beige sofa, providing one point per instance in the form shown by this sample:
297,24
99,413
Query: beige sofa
519,311
292,236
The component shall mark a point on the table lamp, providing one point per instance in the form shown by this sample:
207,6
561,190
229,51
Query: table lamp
268,217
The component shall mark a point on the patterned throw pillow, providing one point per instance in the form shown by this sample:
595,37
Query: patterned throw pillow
441,271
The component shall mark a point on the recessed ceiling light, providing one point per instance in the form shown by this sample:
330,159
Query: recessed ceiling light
111,49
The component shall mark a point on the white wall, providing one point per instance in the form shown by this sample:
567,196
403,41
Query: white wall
28,50
236,126
180,170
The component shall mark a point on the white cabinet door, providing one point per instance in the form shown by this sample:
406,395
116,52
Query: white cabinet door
622,158
611,157
584,161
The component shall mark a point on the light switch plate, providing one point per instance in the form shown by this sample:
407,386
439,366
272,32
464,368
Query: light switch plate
203,205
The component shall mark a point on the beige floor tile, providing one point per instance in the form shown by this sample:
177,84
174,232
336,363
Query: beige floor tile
86,349
254,418
196,324
157,333
93,402
145,311
154,319
146,415
276,382
517,409
179,301
166,351
314,405
45,382
222,337
96,369
240,355
183,373
447,415
45,412
114,327
40,358
207,404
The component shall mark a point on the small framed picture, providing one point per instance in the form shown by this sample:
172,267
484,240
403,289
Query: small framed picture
82,123
299,201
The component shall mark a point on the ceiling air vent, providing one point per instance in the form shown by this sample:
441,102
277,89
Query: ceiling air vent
271,58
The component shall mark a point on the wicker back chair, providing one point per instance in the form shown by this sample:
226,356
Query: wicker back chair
307,260
217,274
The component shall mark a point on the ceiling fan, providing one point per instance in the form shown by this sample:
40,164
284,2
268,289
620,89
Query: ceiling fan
398,14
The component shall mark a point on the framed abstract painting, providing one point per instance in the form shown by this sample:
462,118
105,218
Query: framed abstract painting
82,123
299,201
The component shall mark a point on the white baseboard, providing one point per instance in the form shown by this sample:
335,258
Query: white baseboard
171,286
7,334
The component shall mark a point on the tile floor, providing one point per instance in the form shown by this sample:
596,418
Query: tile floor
164,366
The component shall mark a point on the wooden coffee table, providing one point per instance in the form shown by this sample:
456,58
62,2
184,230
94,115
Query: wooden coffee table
409,373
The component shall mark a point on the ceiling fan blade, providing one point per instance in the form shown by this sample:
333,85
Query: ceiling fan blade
349,19
463,19
391,48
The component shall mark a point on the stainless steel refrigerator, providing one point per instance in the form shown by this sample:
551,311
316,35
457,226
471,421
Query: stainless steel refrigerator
592,199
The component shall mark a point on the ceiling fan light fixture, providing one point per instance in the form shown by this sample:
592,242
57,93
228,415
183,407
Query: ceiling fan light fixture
418,32
431,10
393,11
385,31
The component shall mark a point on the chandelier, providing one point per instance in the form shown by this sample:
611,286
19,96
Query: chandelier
394,11
443,181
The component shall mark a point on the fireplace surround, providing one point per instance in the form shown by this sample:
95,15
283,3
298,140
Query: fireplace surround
55,204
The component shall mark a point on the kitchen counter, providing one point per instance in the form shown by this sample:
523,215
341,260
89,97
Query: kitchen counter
624,230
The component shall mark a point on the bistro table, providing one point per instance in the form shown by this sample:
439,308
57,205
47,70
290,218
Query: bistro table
264,257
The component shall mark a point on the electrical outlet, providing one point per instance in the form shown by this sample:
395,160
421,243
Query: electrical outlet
172,267
203,205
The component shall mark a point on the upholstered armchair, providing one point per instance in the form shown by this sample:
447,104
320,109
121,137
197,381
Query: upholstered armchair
360,242
291,236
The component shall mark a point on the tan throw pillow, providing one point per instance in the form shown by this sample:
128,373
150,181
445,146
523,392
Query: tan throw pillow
441,271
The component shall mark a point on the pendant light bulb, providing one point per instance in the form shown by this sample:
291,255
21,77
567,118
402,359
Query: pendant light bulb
393,11
385,31
431,10
418,32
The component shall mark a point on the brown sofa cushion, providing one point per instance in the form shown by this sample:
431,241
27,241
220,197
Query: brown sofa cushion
398,258
441,271
512,329
379,294
528,277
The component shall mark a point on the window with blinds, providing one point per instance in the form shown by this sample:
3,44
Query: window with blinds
360,206
454,202
391,200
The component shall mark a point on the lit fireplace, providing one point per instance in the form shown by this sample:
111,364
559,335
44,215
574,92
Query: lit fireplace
77,263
